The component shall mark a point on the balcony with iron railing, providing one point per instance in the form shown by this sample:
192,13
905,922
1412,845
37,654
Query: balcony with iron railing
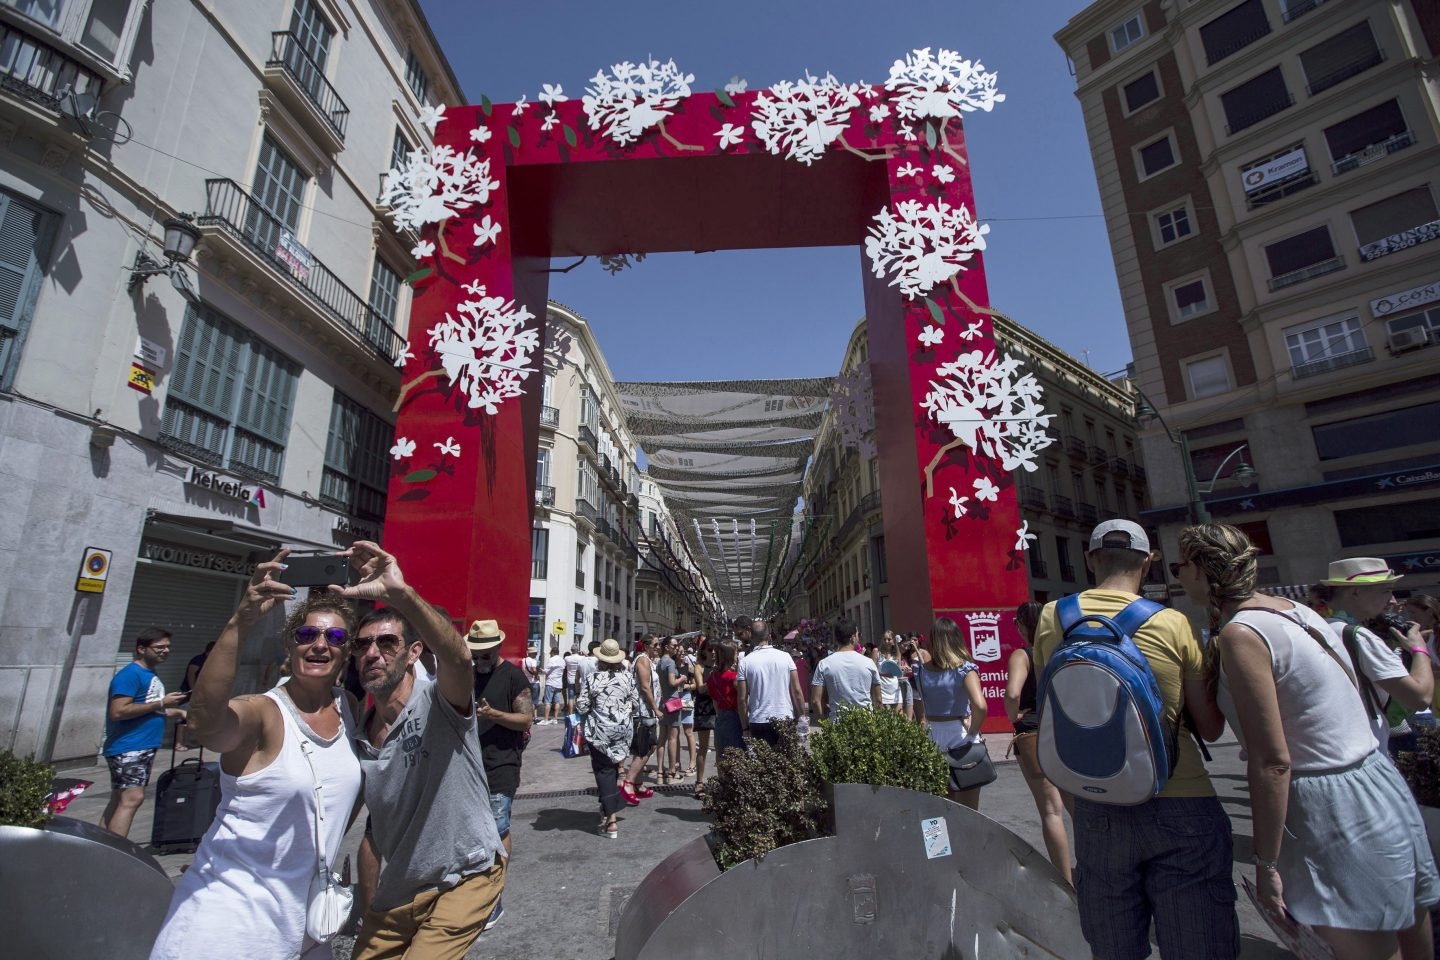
1086,513
36,71
549,417
1063,506
1034,498
294,77
1220,51
284,266
870,502
1099,456
585,509
1314,368
1075,446
588,441
1371,58
1372,153
1038,568
544,495
1137,473
1306,273
1295,9
1120,465
1258,112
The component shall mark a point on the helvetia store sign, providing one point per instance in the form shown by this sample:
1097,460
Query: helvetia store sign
225,486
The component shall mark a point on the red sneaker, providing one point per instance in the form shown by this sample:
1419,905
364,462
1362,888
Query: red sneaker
627,793
644,793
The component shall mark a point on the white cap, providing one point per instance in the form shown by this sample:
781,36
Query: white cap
1125,534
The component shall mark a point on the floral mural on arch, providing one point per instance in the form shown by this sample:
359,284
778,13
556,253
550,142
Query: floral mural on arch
984,414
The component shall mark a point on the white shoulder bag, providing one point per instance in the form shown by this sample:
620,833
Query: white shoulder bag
330,899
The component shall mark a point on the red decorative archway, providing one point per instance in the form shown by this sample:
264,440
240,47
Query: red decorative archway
642,164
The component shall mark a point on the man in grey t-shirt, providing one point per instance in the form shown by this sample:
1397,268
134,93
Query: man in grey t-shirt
443,864
845,678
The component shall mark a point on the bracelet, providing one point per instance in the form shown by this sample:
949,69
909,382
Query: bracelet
1419,651
1272,865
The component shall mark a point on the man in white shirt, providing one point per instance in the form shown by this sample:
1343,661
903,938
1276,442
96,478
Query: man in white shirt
1360,590
573,660
767,687
844,678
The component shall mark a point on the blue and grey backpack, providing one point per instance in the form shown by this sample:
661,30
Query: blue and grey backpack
1102,730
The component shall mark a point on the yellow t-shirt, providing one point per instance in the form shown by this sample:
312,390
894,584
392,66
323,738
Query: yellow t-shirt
1171,645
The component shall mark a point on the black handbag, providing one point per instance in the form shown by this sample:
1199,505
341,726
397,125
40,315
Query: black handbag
970,766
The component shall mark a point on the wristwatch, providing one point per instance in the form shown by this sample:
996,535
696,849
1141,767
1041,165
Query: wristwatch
1259,861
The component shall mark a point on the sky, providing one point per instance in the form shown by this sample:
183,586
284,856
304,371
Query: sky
1048,261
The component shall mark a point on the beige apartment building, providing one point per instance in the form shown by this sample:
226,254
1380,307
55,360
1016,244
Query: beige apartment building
1090,473
1270,175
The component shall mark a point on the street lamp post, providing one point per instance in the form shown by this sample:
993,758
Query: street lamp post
1145,413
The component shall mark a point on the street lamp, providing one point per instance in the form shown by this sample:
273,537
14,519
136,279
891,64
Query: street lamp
1246,475
181,235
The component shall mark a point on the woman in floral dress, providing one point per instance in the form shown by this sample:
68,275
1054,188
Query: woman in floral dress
607,705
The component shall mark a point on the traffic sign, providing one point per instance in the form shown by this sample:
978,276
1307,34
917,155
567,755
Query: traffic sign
94,571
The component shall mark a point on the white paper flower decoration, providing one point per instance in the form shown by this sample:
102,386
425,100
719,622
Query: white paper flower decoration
486,231
736,85
485,351
879,112
958,502
405,354
634,97
432,186
923,87
449,448
422,250
519,107
550,120
931,335
943,172
985,489
923,244
430,116
551,94
909,170
403,449
1023,536
481,134
730,135
991,407
800,120
974,330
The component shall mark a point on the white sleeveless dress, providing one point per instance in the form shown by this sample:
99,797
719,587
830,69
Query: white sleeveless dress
244,896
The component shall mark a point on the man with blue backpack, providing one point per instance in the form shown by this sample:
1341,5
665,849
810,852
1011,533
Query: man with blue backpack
1125,690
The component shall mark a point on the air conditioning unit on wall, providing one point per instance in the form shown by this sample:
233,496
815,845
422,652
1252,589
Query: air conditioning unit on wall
1412,338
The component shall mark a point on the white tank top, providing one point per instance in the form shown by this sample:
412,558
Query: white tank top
244,896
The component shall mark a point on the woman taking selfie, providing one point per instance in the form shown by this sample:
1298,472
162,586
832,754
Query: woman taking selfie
1338,838
285,757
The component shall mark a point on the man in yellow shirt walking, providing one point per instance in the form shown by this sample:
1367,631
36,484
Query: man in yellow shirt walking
1168,859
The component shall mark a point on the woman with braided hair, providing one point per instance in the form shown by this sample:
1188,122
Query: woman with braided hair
1338,838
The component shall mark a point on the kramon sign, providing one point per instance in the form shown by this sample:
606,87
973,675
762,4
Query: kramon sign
640,164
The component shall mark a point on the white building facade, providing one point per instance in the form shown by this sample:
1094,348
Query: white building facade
192,421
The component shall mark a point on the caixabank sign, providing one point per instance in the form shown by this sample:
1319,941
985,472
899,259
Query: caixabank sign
229,487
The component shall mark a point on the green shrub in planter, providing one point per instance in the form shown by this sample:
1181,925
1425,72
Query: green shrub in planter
764,799
1421,769
24,784
879,747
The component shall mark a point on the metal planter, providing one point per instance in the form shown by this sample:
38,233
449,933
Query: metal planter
884,885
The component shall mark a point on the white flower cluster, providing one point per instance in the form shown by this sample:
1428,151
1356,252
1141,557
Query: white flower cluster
486,350
434,185
634,97
923,244
853,402
923,87
800,120
991,407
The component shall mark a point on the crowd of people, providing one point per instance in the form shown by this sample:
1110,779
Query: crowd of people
429,740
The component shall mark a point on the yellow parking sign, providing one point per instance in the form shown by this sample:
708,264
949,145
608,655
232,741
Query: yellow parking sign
558,627
94,571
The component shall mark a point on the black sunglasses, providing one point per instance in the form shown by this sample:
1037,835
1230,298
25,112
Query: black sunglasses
335,636
388,643
1175,568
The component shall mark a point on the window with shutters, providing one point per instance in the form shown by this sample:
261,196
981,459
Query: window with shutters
1368,136
312,33
539,553
1301,257
279,190
1254,100
415,77
1141,91
1190,297
230,398
1207,376
1396,223
1347,54
105,29
384,302
25,233
357,466
1234,30
400,149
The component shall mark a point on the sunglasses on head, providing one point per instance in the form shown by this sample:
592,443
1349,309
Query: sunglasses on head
335,636
388,643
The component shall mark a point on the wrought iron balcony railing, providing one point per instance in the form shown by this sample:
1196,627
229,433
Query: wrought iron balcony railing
31,68
237,213
1064,506
1326,364
1086,513
545,495
1075,446
1259,112
549,417
1034,498
584,508
287,53
588,438
1371,58
1306,273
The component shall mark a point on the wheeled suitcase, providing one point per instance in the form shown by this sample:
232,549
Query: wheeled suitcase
186,797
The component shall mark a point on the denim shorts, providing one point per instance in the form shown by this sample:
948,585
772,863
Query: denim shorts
1169,859
552,696
500,804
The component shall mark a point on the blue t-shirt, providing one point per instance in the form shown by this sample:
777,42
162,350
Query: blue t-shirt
142,733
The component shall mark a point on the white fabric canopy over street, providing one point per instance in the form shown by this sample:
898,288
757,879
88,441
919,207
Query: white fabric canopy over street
728,457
